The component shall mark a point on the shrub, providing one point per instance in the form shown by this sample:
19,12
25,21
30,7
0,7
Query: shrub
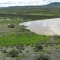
27,51
13,53
20,51
3,51
38,47
41,57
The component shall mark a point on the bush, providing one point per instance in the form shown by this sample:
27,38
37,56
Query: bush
38,47
20,51
41,57
13,53
3,51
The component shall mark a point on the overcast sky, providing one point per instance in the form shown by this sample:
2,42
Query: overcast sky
6,3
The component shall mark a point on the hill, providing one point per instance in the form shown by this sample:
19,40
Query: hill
54,4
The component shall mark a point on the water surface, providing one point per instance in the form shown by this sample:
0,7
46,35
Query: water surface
44,27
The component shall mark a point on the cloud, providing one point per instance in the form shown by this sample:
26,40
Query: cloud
5,3
55,0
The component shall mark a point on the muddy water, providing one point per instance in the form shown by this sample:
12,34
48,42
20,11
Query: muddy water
44,27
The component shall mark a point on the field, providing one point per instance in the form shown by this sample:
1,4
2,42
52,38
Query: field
18,34
24,41
18,43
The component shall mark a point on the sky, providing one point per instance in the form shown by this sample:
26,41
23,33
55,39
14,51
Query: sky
6,3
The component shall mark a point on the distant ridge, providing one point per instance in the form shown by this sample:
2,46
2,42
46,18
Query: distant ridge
51,8
55,4
52,4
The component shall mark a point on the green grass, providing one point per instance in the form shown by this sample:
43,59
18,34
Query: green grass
16,40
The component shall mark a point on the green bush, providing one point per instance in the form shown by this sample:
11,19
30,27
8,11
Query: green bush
3,51
38,47
41,57
13,53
